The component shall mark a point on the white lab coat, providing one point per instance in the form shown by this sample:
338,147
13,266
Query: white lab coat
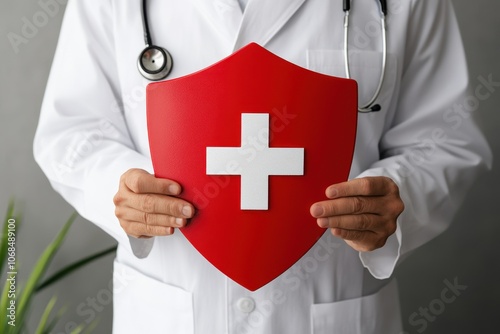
93,128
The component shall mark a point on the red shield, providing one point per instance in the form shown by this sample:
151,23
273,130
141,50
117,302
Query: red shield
254,141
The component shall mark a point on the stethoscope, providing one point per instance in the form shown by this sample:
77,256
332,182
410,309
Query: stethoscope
155,63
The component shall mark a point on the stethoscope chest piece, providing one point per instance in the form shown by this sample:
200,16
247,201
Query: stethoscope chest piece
154,63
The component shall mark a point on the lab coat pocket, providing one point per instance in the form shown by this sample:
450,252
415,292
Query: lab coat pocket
145,305
365,67
372,314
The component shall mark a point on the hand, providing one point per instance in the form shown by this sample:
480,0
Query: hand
362,211
146,206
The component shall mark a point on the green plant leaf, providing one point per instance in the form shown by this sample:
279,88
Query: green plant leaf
45,316
78,329
55,320
72,267
90,328
43,262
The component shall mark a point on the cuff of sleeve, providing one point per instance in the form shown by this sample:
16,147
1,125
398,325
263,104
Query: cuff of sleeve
382,262
99,201
141,247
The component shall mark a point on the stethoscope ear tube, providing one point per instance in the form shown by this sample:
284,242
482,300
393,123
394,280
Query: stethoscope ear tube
347,5
383,6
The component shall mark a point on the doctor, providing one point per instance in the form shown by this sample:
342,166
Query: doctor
92,144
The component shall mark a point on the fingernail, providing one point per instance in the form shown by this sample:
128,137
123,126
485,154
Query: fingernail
317,210
173,189
332,193
187,211
323,222
179,222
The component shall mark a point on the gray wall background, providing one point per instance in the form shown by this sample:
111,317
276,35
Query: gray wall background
467,252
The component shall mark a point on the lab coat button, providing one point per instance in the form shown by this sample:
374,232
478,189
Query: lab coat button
245,305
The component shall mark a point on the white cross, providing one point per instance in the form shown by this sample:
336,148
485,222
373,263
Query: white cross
255,161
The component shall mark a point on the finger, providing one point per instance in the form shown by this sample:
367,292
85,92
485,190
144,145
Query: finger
130,214
141,182
138,230
366,186
359,240
160,204
361,222
347,206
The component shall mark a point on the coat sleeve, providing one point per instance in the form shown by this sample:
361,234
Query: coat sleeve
433,149
82,142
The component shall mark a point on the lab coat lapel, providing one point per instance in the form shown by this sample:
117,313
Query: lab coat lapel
224,16
263,19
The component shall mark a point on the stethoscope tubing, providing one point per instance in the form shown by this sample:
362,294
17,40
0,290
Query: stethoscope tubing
370,106
145,24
